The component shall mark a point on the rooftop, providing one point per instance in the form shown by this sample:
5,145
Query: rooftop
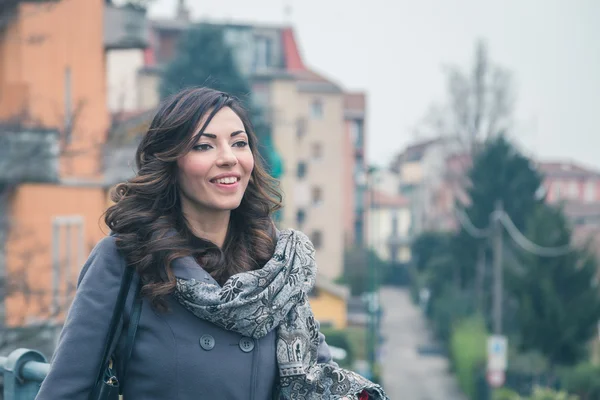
564,169
292,66
385,200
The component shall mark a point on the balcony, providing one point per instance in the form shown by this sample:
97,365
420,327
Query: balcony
8,9
399,241
125,27
28,155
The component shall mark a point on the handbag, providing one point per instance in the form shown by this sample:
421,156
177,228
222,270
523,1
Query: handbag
108,386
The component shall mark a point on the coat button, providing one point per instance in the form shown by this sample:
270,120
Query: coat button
207,342
246,344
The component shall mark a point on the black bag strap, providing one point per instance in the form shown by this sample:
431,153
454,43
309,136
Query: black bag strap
131,331
114,323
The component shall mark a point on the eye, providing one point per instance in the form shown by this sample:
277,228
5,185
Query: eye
202,147
241,143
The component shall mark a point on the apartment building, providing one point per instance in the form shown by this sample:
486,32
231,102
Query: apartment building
53,121
355,169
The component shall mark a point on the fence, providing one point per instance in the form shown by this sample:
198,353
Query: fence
23,372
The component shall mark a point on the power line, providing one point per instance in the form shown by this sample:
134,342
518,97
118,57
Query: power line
528,245
519,238
474,231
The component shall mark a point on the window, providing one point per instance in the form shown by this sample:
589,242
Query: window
67,257
556,190
300,127
317,239
573,190
316,109
262,53
395,225
590,191
300,217
317,151
356,133
317,196
301,170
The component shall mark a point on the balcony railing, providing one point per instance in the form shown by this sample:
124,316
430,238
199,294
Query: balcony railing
23,372
28,156
125,27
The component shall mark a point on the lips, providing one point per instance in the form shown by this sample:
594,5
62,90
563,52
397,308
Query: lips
230,180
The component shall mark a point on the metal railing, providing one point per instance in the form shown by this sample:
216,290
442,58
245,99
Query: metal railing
23,371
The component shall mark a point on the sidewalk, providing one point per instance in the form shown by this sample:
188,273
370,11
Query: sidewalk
407,373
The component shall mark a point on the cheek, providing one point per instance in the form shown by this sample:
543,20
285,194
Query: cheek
193,167
247,162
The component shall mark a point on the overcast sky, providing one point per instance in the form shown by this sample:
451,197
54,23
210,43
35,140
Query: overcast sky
394,50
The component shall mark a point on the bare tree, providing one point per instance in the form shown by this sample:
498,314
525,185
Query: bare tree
479,103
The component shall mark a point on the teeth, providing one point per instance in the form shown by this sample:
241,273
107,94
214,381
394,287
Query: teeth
227,181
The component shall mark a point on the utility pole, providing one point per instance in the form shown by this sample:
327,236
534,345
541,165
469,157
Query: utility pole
498,273
480,277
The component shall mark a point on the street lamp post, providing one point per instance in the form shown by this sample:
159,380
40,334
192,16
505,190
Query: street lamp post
373,298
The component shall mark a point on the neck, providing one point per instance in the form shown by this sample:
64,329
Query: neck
208,225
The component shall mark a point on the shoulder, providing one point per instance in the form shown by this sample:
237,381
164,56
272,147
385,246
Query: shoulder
106,248
104,258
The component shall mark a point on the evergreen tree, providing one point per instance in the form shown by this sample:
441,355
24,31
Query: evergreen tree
499,172
204,59
427,246
558,299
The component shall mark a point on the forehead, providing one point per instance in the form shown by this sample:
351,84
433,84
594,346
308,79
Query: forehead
225,121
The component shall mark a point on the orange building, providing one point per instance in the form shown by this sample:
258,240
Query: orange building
53,123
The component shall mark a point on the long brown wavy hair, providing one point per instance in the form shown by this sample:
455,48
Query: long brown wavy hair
147,219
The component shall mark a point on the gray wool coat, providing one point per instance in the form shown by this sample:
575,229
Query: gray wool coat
176,355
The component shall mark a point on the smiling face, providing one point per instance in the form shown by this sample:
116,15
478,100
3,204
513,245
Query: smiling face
214,174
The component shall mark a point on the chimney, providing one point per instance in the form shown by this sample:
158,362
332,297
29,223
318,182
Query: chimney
183,13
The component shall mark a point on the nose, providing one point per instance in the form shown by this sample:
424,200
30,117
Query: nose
226,158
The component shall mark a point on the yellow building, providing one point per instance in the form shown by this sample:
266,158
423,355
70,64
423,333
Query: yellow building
329,304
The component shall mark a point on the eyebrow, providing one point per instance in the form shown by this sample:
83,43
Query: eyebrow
213,136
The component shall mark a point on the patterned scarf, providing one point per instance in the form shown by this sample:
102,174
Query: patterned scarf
276,296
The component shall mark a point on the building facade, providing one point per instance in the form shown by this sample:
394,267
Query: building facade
389,221
356,169
53,122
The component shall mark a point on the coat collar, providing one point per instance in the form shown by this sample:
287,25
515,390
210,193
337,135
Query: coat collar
188,268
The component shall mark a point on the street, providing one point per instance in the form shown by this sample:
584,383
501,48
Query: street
407,374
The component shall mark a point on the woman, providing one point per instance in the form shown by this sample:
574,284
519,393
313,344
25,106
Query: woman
224,312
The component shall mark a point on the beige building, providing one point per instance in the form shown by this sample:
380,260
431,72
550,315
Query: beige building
355,169
308,132
388,225
308,129
421,169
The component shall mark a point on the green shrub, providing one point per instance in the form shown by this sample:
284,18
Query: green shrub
505,394
468,352
448,308
539,393
583,380
339,338
549,394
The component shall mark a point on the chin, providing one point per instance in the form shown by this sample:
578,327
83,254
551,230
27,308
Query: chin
227,206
